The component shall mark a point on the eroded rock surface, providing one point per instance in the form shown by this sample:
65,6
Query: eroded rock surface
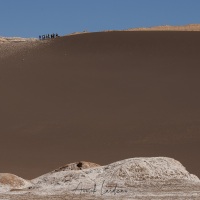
77,166
10,181
124,177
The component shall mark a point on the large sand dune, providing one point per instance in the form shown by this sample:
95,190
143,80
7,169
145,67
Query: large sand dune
100,97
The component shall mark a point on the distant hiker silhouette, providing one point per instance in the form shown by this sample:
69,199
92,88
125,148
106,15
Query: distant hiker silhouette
47,36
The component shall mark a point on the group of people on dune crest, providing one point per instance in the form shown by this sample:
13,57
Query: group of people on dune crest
48,36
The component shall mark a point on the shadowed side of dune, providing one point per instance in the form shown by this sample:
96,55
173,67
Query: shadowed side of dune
101,97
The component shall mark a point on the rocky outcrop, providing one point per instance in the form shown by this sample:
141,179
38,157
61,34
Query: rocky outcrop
147,169
77,166
130,175
123,179
11,181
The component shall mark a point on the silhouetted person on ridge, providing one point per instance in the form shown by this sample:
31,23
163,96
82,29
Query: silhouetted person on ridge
53,35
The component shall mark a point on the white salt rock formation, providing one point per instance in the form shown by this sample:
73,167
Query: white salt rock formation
77,166
131,174
10,182
123,180
146,169
68,176
154,174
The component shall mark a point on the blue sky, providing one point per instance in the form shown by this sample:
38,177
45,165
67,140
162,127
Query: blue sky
30,18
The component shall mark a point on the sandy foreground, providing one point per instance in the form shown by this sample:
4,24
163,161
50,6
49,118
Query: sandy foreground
150,196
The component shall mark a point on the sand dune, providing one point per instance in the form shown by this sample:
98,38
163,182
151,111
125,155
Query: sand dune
100,97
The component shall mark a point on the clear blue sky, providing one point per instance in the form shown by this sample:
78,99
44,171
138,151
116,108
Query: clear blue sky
30,18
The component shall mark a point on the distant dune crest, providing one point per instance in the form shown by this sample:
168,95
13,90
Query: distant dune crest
15,39
189,27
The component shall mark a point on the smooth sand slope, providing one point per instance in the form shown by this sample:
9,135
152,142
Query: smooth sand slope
100,97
